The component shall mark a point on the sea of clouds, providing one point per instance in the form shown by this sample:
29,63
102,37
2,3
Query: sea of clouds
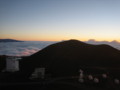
22,48
113,43
29,47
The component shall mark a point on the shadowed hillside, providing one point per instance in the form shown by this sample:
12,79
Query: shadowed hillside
2,62
67,57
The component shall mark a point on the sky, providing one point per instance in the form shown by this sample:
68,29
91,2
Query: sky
55,20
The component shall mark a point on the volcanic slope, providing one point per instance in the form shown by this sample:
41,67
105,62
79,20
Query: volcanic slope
67,57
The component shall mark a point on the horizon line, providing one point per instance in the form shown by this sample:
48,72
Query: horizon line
65,40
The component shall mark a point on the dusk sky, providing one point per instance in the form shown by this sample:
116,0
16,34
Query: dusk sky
54,20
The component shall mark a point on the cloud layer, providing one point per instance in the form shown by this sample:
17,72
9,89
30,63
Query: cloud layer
22,48
114,43
30,47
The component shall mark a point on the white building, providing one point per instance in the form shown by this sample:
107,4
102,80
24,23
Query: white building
12,64
81,75
96,80
38,73
90,77
116,81
104,75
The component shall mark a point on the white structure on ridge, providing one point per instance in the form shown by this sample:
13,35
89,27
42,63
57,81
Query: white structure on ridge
96,80
38,73
116,81
12,63
90,77
81,76
104,75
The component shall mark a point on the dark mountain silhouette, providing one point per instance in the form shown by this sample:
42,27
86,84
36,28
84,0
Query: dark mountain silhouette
67,57
9,40
2,62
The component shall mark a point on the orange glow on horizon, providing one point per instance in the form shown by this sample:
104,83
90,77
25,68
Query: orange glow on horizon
59,39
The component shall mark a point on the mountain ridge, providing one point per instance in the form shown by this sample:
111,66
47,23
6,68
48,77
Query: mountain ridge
67,57
9,40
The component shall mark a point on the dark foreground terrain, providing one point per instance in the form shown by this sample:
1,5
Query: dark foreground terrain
62,62
69,83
